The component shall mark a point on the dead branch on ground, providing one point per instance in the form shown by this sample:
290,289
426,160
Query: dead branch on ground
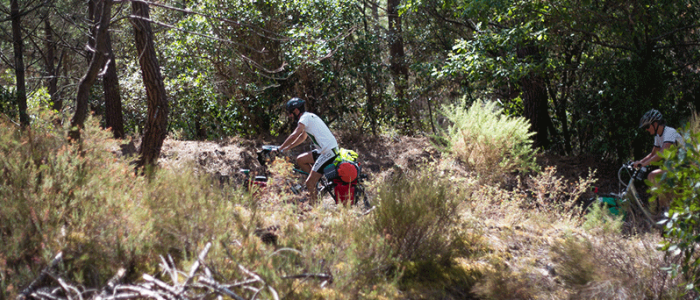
198,283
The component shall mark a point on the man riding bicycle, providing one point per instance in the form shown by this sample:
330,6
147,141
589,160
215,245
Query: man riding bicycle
325,144
664,137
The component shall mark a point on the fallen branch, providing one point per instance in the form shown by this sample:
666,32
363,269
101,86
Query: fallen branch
34,285
151,287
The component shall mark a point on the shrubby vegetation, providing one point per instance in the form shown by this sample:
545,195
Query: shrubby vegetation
681,182
489,142
434,233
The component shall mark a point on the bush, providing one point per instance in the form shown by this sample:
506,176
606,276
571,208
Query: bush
491,143
72,197
84,200
417,218
680,182
608,266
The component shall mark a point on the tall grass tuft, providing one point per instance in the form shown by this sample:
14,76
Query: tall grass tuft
488,141
605,266
417,219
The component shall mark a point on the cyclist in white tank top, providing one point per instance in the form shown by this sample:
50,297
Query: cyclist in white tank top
322,138
664,137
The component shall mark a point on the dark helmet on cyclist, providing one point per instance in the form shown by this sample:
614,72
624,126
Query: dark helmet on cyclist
295,103
650,117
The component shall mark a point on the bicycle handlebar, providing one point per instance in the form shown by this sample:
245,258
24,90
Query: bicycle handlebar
632,171
264,154
270,148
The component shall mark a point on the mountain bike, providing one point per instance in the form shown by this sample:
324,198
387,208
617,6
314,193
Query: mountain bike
628,202
341,192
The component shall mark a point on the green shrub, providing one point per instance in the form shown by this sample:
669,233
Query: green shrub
680,182
489,142
599,219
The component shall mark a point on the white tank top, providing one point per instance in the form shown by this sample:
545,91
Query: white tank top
669,135
320,135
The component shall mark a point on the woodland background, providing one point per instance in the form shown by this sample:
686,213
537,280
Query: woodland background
581,72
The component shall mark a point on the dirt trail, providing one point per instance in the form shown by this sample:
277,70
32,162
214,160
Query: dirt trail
378,155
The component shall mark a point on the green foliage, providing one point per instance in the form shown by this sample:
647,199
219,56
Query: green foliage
236,67
598,218
681,182
489,142
8,103
602,68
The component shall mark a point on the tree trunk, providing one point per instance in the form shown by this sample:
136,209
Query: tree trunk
51,70
156,124
371,103
93,16
535,99
113,102
19,63
397,60
81,103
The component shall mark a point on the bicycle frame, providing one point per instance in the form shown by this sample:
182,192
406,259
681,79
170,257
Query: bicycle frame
324,185
631,195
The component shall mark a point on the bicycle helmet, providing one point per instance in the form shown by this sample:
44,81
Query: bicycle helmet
295,103
650,117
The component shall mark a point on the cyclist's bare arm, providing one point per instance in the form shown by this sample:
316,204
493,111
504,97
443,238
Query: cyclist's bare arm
651,157
294,139
654,155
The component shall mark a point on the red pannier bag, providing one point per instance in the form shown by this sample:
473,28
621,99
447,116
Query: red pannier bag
344,192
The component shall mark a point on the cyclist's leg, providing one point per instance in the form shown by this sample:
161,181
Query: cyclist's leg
311,182
653,175
323,160
306,160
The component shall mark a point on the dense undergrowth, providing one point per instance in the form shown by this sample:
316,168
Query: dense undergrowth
435,233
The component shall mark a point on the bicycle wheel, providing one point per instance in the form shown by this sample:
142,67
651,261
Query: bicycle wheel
637,209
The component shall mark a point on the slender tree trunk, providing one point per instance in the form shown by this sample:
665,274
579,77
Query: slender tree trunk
93,17
535,99
156,124
51,71
371,103
113,102
397,60
96,63
19,63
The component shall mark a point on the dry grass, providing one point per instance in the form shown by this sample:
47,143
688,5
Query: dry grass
437,230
